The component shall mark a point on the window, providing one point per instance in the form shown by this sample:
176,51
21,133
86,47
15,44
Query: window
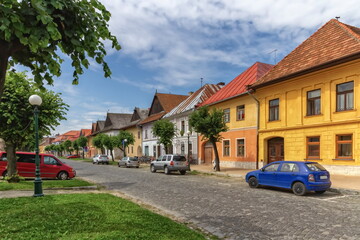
227,115
146,134
240,146
132,149
289,167
182,129
138,134
344,146
274,110
345,96
313,147
226,146
272,167
154,151
314,102
240,112
50,161
146,150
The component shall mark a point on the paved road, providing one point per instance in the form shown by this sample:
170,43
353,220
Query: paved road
228,208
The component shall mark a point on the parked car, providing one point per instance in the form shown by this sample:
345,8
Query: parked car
101,158
50,166
73,156
129,162
301,177
169,163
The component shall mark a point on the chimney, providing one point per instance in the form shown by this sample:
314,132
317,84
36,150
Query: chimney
190,93
221,84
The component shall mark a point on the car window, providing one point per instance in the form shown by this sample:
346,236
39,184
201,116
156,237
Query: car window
103,155
26,158
289,167
164,158
272,167
3,157
315,167
50,160
132,159
179,158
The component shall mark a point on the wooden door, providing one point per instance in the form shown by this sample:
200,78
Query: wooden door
208,151
275,149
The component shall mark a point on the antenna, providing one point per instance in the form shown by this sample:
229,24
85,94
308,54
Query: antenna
337,18
274,51
201,82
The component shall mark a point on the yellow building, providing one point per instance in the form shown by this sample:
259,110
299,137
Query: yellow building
310,102
238,147
135,129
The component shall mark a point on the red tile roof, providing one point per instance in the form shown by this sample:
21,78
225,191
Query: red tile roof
333,41
85,132
238,85
71,135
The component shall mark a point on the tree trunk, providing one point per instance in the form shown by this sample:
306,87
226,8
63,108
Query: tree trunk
4,60
112,155
11,158
217,162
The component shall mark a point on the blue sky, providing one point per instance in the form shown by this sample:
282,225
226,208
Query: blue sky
169,45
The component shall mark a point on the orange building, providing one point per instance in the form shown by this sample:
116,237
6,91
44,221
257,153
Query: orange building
238,147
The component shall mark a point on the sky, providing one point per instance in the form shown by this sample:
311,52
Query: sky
168,46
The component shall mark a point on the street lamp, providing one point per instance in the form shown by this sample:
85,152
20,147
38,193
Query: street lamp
36,101
124,141
188,148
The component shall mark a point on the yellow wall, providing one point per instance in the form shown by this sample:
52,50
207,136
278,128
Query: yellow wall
135,149
294,126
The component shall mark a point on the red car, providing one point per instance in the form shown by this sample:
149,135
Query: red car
73,156
50,166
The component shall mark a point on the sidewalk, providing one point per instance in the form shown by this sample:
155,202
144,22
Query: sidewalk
340,183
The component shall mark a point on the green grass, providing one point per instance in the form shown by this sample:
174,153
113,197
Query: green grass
29,184
85,216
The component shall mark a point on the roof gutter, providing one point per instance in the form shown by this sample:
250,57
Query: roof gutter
331,63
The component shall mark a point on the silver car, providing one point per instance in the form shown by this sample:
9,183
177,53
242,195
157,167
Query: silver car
129,162
169,163
101,158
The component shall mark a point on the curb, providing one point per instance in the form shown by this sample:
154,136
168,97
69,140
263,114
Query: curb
74,188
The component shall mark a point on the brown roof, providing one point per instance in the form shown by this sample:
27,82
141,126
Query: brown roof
70,135
169,101
333,41
238,85
116,121
153,117
85,132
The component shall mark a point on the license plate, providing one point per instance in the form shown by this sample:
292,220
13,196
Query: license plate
323,177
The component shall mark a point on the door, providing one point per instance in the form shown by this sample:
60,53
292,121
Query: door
208,152
275,149
49,167
26,165
268,176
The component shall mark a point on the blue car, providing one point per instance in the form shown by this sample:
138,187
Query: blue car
301,177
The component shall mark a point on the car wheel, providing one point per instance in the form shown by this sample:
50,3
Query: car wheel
97,162
299,189
119,165
107,163
320,192
152,169
93,162
137,166
126,165
253,182
166,171
63,176
182,172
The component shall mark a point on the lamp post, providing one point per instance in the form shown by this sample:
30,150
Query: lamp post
36,101
124,141
188,148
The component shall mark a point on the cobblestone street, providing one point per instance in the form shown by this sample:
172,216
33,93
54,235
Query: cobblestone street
229,209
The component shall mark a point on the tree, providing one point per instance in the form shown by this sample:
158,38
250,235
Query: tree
16,118
210,124
165,131
75,146
82,141
67,146
98,142
35,33
110,142
120,140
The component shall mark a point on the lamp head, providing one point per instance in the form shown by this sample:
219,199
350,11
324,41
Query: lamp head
35,100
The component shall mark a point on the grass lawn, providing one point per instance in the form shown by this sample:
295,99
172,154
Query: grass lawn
29,184
85,216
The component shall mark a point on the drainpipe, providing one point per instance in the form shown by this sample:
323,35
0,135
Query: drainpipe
257,126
